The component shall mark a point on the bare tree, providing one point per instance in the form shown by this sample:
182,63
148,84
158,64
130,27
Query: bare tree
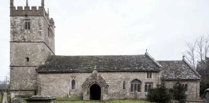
4,85
190,53
197,53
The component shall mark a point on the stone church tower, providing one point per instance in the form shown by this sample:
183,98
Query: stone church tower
31,42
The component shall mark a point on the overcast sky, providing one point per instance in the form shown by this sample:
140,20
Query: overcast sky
116,27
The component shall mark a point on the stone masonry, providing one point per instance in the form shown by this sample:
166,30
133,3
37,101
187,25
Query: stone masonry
35,69
30,45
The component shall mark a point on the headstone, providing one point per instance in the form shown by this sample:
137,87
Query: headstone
41,99
4,97
12,95
207,95
17,100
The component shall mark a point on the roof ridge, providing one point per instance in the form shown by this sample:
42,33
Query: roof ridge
168,60
191,68
92,55
149,56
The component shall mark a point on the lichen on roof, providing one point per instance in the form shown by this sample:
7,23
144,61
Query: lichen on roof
102,63
177,69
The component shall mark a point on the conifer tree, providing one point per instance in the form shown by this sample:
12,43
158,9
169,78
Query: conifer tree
159,94
178,91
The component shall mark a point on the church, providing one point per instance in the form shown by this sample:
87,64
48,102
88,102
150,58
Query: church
36,70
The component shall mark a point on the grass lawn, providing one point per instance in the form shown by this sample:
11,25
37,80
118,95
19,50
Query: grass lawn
0,98
77,100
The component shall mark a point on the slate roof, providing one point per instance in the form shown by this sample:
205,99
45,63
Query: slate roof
178,69
120,63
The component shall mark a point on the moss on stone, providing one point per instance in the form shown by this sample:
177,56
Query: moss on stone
102,63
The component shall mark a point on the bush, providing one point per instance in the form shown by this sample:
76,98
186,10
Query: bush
182,101
159,94
178,91
204,84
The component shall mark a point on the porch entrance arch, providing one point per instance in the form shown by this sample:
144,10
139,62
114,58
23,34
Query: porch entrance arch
95,87
95,92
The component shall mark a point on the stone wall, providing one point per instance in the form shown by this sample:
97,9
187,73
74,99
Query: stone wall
59,85
29,48
22,72
38,30
22,78
193,88
36,52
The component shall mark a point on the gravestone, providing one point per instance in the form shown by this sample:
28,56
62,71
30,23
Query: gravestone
207,95
41,99
4,97
17,100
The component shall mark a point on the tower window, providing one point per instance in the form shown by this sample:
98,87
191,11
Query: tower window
27,25
48,32
149,74
27,59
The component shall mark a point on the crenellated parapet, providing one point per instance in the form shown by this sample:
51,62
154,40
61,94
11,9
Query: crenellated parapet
26,11
30,11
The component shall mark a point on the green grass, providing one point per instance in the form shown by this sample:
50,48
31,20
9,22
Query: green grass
78,100
189,99
1,97
68,99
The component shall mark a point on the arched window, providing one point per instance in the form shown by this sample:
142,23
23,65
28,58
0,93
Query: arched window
136,85
183,87
73,84
186,87
124,85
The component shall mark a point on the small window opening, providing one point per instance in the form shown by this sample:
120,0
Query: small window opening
73,84
27,59
149,74
132,87
185,87
148,86
124,85
48,32
27,25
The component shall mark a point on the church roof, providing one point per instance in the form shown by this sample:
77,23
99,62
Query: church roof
114,63
171,70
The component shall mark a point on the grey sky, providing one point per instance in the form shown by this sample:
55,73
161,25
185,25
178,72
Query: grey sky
117,27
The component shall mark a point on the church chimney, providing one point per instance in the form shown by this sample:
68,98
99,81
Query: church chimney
11,3
42,3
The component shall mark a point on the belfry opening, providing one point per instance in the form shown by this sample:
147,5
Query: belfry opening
95,92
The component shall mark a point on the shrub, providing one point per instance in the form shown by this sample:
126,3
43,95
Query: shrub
178,91
159,94
182,101
204,84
